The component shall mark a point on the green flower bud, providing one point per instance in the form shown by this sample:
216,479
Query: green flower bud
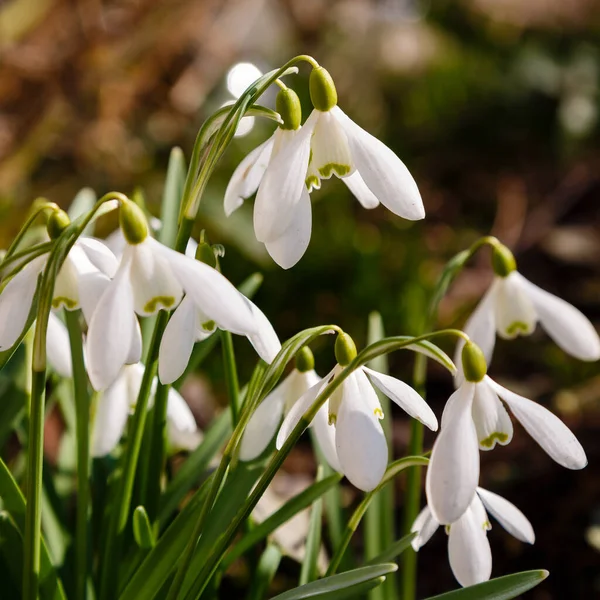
503,261
205,252
345,349
305,361
288,106
322,89
58,221
473,362
133,222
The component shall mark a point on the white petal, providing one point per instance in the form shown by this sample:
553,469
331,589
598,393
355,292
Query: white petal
154,286
566,325
468,547
99,255
177,342
15,302
325,434
508,515
111,416
264,340
290,246
515,314
330,153
66,287
405,397
360,442
282,185
116,242
481,328
245,179
135,349
492,422
453,471
264,421
545,428
58,347
382,171
110,330
211,292
360,190
426,526
179,413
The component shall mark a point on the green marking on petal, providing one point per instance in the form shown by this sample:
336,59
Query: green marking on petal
332,419
312,181
208,325
68,303
340,170
157,302
518,328
490,441
378,413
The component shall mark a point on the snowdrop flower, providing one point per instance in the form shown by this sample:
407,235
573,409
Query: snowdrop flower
474,418
468,545
265,420
354,411
117,402
328,143
190,324
513,305
152,277
58,347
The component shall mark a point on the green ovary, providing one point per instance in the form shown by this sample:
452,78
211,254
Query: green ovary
158,302
340,170
489,441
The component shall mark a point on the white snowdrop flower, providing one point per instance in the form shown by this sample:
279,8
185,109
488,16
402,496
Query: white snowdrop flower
475,418
152,277
284,172
117,402
469,549
58,347
513,306
354,411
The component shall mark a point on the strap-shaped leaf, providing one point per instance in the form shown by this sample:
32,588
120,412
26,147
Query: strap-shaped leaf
396,549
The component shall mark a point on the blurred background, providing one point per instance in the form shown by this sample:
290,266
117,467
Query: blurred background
493,106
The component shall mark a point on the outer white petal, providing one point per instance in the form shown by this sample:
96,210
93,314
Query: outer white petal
290,246
212,293
426,526
566,325
468,547
99,254
453,471
58,347
481,328
515,313
116,242
154,286
545,428
15,302
508,515
404,396
360,442
179,413
264,421
492,422
111,416
382,171
135,349
329,146
360,190
282,185
177,342
264,340
110,330
325,434
246,178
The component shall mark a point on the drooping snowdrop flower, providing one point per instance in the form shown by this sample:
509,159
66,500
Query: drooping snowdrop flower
513,305
58,347
152,277
190,324
468,545
354,411
267,417
328,143
116,403
474,418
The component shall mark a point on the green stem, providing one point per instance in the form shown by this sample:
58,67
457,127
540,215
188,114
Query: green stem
33,514
82,415
231,376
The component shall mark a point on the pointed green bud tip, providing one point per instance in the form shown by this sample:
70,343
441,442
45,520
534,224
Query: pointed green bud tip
503,261
305,361
322,89
473,362
206,254
58,221
288,106
133,222
142,530
345,349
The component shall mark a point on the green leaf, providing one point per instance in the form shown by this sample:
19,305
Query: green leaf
501,588
171,199
309,571
265,571
336,583
396,549
142,530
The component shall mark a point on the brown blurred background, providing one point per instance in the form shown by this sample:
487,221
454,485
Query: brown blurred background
492,104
